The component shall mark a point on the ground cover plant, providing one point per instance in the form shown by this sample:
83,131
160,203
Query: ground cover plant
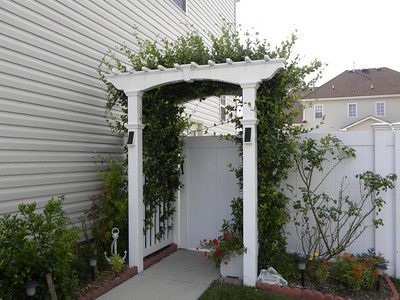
227,291
354,276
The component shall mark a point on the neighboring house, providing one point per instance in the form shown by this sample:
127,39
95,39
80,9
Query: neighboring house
51,100
354,100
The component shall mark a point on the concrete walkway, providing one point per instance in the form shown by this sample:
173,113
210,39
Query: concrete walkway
183,275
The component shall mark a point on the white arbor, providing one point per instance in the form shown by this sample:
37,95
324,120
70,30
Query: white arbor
248,74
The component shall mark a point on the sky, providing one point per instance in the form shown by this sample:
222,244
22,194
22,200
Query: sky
342,34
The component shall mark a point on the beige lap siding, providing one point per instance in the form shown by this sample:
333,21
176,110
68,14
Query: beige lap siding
51,100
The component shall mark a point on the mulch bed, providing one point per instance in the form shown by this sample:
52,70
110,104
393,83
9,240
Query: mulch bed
106,281
327,292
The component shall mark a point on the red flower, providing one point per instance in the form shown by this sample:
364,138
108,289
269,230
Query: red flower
215,241
226,237
359,278
356,268
325,262
217,251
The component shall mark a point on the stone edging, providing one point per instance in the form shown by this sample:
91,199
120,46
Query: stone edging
395,293
129,273
124,276
314,295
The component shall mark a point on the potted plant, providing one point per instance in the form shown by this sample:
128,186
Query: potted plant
226,251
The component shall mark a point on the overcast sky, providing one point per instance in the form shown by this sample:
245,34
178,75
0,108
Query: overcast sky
336,32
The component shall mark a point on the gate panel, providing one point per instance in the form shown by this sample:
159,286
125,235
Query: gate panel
209,188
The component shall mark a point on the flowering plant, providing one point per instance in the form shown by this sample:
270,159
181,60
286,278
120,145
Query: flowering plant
222,248
355,272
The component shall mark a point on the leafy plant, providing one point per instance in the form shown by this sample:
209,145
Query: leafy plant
110,208
355,273
34,244
222,248
326,224
117,264
322,271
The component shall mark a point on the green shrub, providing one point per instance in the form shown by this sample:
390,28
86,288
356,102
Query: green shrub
110,208
355,273
117,265
34,244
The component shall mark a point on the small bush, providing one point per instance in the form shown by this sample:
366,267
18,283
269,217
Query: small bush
34,244
110,209
117,264
355,273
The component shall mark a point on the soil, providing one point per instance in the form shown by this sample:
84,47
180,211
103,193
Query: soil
101,279
330,287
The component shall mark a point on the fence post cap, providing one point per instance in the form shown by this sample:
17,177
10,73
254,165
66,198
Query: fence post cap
380,126
396,126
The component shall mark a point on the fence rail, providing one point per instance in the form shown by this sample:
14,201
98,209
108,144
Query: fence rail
153,241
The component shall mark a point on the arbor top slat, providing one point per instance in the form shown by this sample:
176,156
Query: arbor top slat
242,72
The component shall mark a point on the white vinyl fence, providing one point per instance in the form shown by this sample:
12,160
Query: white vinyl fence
378,151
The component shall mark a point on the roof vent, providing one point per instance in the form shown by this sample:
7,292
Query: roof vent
333,86
372,86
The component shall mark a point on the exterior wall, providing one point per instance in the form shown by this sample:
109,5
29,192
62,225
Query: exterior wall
336,114
206,115
51,100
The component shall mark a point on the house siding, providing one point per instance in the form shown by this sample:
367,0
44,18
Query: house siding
51,100
336,115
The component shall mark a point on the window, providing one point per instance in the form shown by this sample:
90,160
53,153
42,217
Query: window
222,109
318,111
380,109
181,4
352,110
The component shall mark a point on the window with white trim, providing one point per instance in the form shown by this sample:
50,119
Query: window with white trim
181,4
318,111
222,108
352,110
380,109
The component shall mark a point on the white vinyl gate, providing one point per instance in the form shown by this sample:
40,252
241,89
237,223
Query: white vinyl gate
209,188
204,201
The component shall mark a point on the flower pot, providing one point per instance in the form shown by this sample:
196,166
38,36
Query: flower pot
232,267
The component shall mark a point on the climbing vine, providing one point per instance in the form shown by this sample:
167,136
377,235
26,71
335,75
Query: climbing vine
166,121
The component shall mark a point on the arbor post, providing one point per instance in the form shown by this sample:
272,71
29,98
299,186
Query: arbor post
250,229
135,180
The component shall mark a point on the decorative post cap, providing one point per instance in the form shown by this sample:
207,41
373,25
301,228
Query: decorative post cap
395,126
380,126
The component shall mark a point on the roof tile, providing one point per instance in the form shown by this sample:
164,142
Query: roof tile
364,82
